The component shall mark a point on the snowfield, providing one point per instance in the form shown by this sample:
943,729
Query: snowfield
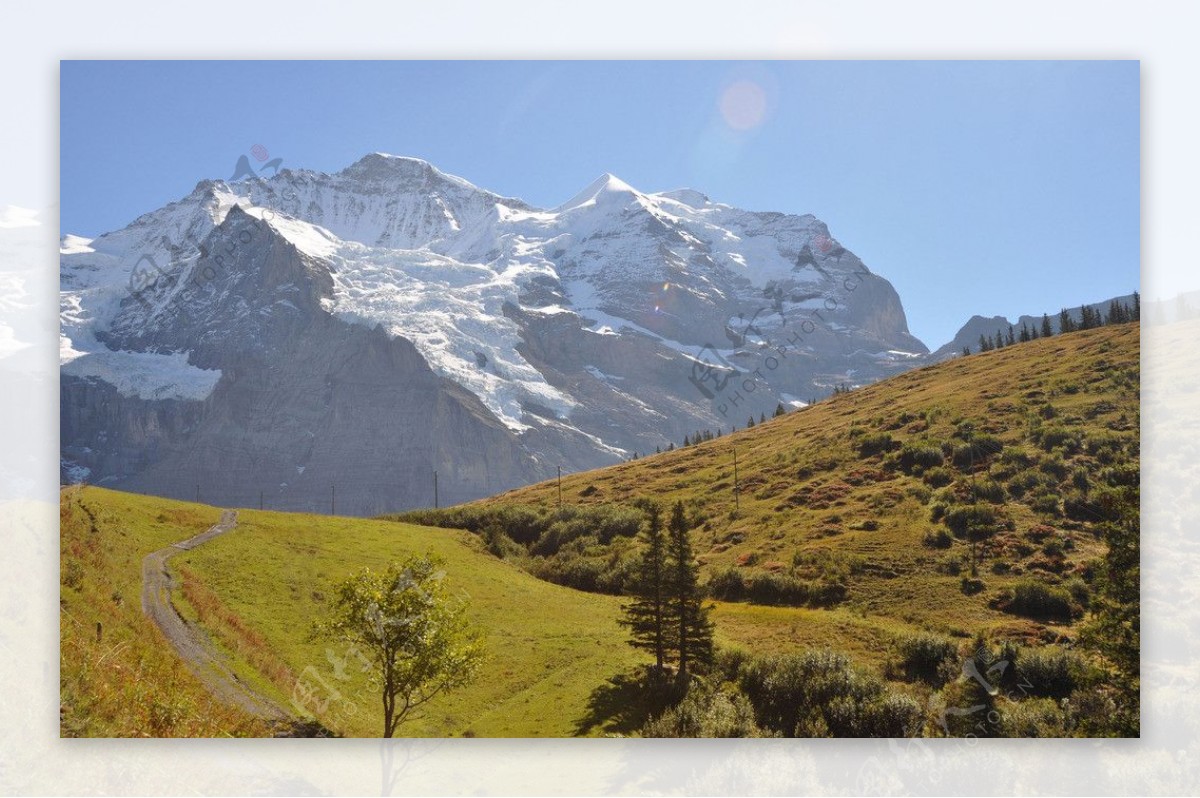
436,260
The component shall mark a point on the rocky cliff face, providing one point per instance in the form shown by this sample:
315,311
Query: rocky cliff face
357,331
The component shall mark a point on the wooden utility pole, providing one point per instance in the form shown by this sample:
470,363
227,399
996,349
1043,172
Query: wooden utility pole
197,493
435,491
736,501
333,499
560,487
260,500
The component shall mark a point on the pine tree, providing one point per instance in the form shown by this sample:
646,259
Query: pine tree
1024,333
1010,340
779,410
686,441
1047,330
750,422
1137,306
693,637
670,446
1066,324
1114,313
658,450
762,418
648,616
984,346
966,351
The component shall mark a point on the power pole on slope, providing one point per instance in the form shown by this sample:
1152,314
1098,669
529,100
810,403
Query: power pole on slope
736,500
333,499
560,487
435,491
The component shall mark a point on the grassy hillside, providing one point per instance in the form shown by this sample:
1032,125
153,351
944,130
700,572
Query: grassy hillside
119,677
844,505
256,591
847,534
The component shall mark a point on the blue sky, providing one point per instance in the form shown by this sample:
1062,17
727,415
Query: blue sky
974,187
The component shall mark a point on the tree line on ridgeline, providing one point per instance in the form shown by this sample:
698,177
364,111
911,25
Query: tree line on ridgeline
1090,318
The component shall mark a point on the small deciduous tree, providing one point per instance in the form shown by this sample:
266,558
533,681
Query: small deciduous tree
415,633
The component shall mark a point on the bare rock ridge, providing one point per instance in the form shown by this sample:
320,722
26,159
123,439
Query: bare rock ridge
328,341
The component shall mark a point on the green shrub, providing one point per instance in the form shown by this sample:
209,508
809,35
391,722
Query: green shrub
928,657
878,443
921,493
963,518
971,585
761,587
1054,466
989,490
728,663
1121,475
1048,671
1022,483
938,539
1081,594
1050,438
819,693
1032,717
1016,458
706,712
1035,599
1105,447
1047,505
919,457
938,477
952,565
542,530
977,451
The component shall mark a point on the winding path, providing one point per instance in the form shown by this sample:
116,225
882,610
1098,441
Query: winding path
191,643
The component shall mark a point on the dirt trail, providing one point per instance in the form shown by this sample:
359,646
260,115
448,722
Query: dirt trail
191,643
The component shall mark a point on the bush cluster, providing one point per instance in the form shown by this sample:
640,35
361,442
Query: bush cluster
761,587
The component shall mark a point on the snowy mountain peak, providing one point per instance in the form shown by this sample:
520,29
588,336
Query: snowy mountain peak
604,189
382,166
687,196
574,333
70,244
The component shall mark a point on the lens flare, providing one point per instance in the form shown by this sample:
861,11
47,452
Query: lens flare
743,105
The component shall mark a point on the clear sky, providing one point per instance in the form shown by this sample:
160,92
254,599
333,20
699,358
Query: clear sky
974,187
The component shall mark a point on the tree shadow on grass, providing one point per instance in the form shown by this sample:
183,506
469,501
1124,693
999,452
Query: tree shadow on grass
624,703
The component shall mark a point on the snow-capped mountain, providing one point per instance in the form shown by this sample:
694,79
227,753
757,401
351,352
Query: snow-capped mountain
220,340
